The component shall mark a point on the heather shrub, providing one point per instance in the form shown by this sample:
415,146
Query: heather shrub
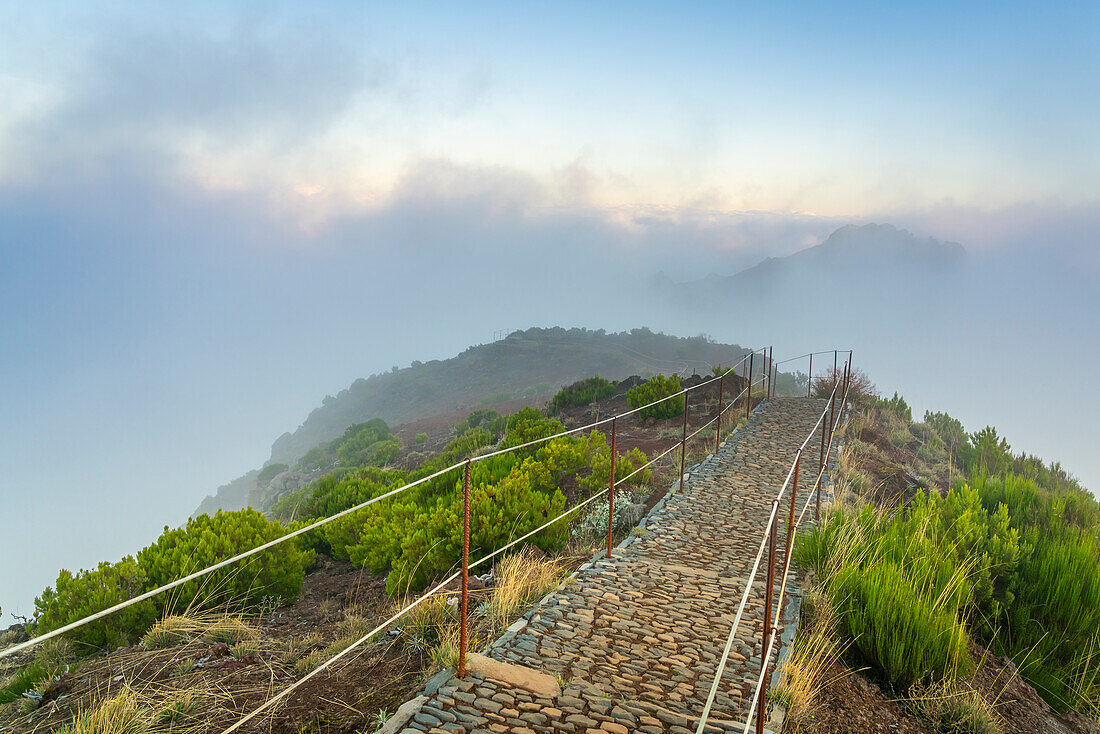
582,392
656,388
76,596
204,541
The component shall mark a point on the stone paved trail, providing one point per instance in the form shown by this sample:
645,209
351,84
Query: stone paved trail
638,636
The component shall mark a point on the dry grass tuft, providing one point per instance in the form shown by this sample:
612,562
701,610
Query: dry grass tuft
815,651
229,629
120,714
957,709
173,630
55,654
521,579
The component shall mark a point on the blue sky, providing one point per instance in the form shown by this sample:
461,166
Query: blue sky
213,214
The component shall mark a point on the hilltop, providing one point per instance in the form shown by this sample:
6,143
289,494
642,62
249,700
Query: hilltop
525,368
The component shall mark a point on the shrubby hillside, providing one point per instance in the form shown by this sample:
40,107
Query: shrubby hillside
531,364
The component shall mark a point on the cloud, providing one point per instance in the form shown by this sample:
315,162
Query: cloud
168,94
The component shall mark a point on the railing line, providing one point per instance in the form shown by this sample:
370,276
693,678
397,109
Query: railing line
287,691
813,354
772,526
765,661
324,521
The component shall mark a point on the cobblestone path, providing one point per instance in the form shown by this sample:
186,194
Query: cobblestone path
638,636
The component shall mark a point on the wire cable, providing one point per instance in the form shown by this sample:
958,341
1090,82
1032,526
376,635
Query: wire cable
324,521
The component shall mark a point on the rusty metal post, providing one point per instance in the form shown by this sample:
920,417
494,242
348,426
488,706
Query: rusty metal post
810,377
768,366
768,593
462,642
718,432
820,473
790,518
774,374
832,406
611,492
683,443
748,398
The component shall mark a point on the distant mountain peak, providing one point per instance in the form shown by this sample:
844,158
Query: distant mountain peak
854,252
874,238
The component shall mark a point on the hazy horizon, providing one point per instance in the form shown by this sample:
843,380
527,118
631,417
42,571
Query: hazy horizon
215,215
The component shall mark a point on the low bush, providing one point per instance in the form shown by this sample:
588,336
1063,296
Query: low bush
592,526
656,388
897,406
204,541
582,392
76,596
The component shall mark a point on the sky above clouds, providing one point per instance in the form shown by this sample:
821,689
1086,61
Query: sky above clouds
847,109
213,214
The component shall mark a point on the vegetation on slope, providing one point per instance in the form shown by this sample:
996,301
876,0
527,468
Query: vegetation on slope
970,540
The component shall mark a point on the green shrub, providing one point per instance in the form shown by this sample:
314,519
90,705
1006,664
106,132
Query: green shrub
76,596
421,438
528,425
582,392
904,635
206,540
362,444
484,418
271,471
655,389
897,406
24,680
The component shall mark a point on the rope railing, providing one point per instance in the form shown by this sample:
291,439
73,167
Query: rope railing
766,536
767,379
465,570
765,660
38,639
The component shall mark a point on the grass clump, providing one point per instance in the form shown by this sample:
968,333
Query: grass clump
816,649
521,579
120,714
955,709
180,706
22,681
229,629
905,635
175,629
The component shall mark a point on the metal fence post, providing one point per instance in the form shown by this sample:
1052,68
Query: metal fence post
718,432
748,398
832,407
761,703
775,376
462,641
790,518
810,377
683,443
820,471
611,492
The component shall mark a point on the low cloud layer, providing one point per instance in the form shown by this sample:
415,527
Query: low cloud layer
212,218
